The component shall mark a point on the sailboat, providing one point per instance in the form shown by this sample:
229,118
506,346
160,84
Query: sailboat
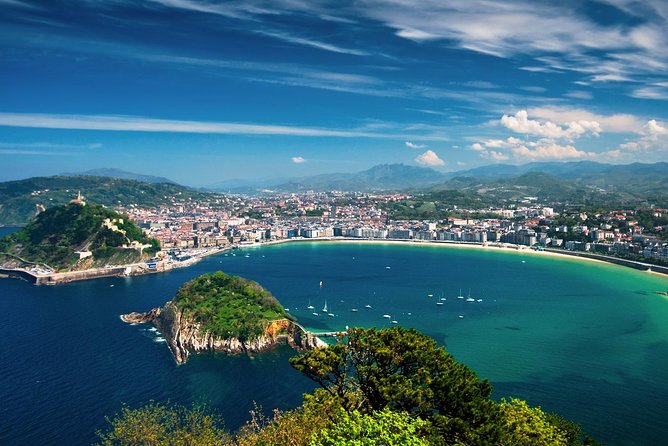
310,307
470,299
324,309
460,294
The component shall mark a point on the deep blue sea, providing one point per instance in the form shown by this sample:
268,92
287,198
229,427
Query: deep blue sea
585,339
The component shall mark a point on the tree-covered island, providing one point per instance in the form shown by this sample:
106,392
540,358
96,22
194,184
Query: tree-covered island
220,312
75,237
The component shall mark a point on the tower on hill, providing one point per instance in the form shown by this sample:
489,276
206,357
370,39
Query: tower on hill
79,200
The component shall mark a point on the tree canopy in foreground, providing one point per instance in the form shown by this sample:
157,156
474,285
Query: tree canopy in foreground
378,387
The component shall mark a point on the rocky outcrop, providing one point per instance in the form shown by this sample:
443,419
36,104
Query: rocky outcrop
185,336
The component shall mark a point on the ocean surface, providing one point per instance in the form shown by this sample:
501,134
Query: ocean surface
585,339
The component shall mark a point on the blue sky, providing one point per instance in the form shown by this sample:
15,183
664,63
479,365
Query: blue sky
203,91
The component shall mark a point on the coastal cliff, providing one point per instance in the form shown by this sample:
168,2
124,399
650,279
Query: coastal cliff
198,319
184,335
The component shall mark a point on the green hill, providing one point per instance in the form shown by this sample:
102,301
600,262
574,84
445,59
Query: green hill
20,200
55,235
228,306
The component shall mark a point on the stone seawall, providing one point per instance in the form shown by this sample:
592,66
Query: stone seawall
614,260
72,276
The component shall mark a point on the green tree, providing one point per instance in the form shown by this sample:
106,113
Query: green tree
529,426
383,428
404,370
159,425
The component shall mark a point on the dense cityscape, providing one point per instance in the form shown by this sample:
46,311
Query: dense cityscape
228,220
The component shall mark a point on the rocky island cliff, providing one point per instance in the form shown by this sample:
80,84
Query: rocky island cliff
222,313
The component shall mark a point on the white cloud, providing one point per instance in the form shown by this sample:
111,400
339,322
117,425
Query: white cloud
608,123
656,129
551,151
415,34
650,92
429,158
579,94
520,123
36,153
298,159
48,145
412,145
494,155
311,42
654,136
575,41
143,124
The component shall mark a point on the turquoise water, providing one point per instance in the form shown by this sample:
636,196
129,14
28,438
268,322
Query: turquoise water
586,339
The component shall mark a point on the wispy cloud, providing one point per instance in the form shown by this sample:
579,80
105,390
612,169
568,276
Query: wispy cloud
37,153
48,145
223,9
143,124
619,122
412,145
311,42
298,159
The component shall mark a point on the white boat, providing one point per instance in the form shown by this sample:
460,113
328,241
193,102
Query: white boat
388,267
439,303
460,294
387,316
330,314
479,300
430,295
315,314
470,299
354,310
395,322
324,309
443,299
367,306
310,307
461,317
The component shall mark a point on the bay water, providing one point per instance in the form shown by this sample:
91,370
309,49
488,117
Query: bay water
585,339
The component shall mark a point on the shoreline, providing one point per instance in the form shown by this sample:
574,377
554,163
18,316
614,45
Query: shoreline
506,247
138,269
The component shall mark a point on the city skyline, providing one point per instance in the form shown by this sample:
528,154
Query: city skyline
202,92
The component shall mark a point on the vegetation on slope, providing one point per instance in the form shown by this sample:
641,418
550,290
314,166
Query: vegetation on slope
54,236
229,306
19,199
387,387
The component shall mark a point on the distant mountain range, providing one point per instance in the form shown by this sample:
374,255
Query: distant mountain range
379,178
636,179
120,174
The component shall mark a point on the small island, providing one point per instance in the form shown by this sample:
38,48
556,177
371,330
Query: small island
223,313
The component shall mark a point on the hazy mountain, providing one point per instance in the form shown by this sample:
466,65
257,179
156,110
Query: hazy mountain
121,174
239,185
636,178
559,169
381,177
